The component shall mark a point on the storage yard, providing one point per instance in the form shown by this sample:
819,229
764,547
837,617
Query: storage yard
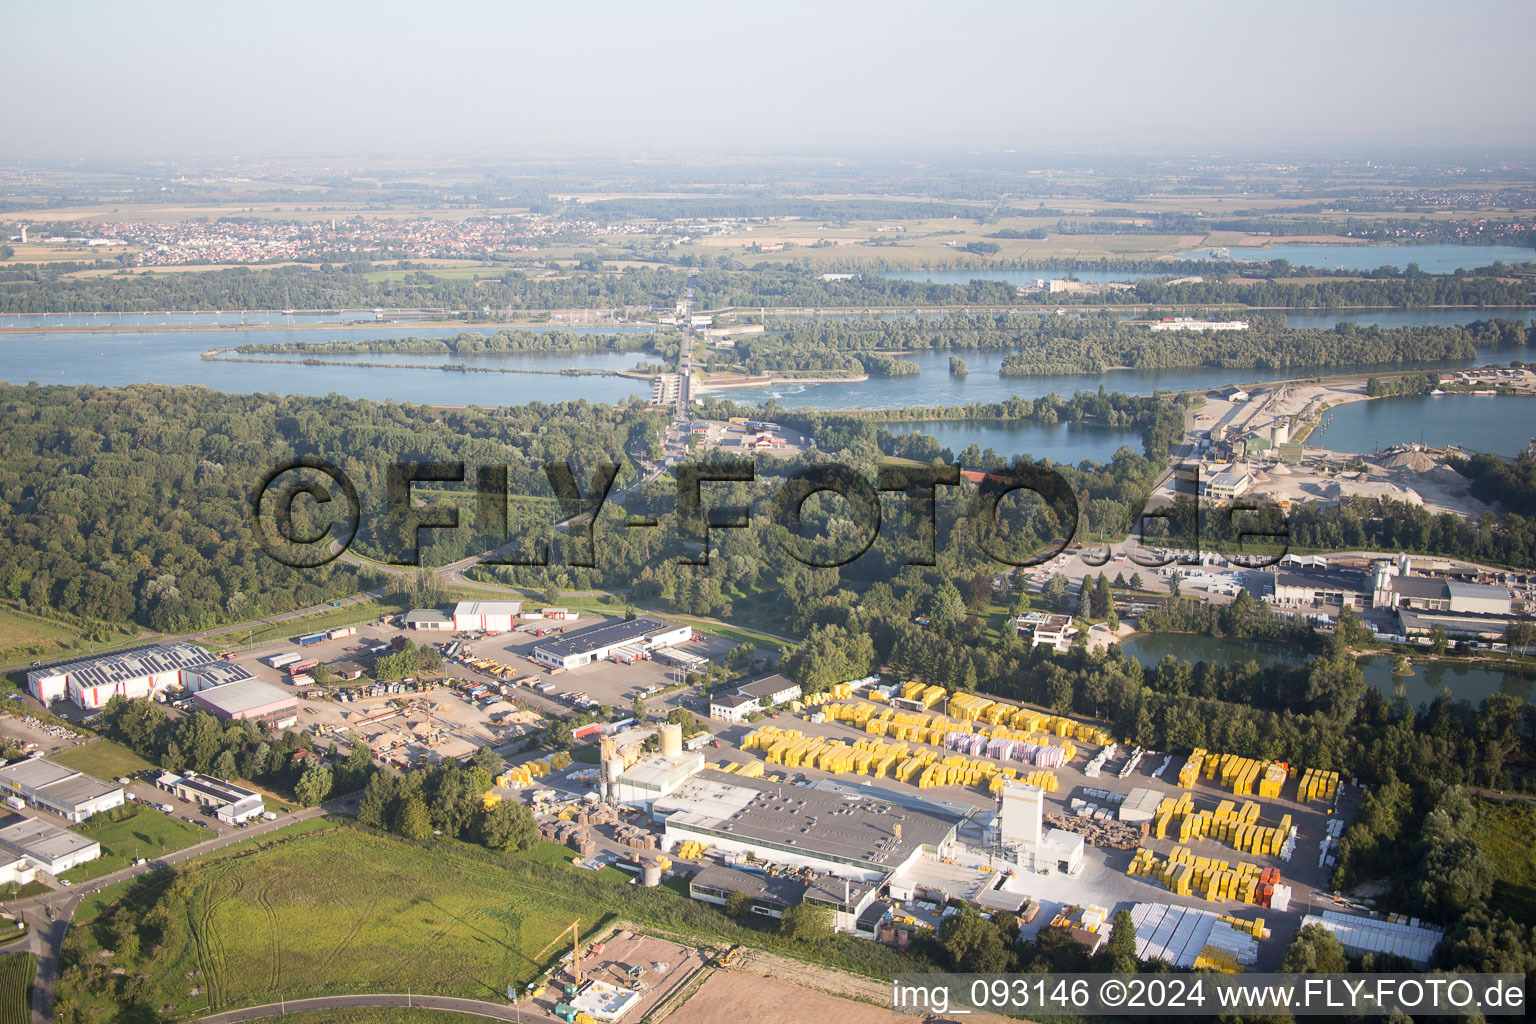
884,801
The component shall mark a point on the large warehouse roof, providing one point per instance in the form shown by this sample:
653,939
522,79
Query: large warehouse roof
809,821
42,839
487,608
246,695
134,663
597,638
36,772
222,672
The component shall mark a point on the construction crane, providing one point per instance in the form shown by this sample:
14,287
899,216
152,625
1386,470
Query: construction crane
575,948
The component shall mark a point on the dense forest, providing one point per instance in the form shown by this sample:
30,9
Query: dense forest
719,282
1095,343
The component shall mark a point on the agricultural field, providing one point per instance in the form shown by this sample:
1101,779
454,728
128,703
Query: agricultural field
16,971
104,759
1504,830
147,833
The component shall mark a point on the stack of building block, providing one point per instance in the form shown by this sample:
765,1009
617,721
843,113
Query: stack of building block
1317,784
1190,773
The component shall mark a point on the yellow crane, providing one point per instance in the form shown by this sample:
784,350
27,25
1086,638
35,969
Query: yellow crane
575,948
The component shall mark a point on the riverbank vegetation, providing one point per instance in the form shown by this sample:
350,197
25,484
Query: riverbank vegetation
465,343
724,281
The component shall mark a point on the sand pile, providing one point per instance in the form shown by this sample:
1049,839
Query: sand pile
1416,462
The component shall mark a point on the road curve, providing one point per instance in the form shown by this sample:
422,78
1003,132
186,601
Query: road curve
469,1007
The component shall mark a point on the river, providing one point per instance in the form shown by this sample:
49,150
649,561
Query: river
1432,259
1469,682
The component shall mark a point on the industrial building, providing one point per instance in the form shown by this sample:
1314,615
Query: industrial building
852,837
767,895
217,673
249,700
1035,847
1224,484
650,778
232,804
428,619
486,616
1361,935
52,787
137,672
46,845
635,638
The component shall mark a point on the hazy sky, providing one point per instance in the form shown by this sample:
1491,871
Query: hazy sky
274,77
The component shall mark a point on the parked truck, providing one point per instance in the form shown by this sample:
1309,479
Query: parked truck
300,667
309,639
337,634
281,660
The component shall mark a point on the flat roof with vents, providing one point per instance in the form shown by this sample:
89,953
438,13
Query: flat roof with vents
797,819
600,638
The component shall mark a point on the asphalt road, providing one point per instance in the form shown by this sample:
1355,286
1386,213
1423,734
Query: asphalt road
472,1007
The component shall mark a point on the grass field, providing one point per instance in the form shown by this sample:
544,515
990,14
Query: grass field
25,638
104,759
330,908
147,834
16,970
345,911
1504,829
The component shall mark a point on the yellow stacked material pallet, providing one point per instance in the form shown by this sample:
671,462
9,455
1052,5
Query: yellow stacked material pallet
1190,773
840,691
1317,784
968,706
1273,779
910,689
1143,862
690,849
751,770
1214,958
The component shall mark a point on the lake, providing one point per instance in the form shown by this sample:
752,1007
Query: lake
1468,682
174,357
1406,318
1432,259
1502,424
1068,443
223,318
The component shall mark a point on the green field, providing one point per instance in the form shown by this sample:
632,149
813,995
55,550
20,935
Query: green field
334,909
148,833
103,759
1504,830
346,911
16,970
25,638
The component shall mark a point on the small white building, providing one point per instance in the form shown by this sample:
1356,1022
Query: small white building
486,616
734,707
233,804
774,689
